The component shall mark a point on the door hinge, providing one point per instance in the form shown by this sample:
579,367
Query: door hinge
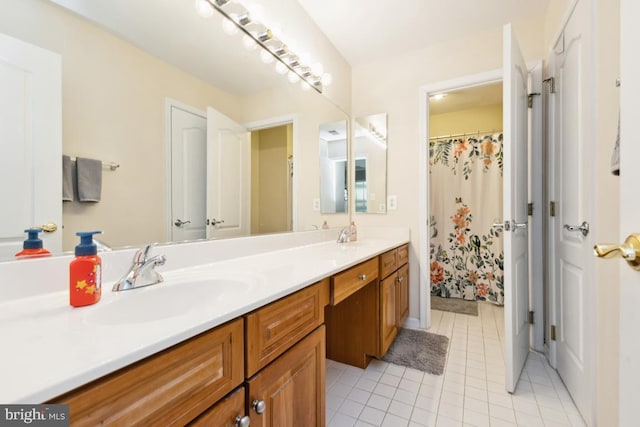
530,99
530,209
530,318
552,84
552,208
553,333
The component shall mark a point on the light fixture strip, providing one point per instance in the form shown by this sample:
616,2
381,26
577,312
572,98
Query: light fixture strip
313,80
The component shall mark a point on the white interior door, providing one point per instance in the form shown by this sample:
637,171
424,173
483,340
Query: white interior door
228,176
573,258
515,200
629,210
188,174
31,136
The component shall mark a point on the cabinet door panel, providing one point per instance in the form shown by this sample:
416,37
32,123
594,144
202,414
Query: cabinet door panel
388,320
403,255
223,413
292,387
388,263
402,294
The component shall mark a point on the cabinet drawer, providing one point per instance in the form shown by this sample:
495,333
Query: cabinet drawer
273,329
170,388
403,255
223,413
388,263
352,280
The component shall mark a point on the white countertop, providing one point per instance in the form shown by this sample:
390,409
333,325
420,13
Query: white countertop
50,348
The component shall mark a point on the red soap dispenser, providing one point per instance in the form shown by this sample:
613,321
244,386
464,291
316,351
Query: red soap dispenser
85,272
32,247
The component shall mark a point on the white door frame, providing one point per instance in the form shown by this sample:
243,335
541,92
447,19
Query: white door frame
271,122
169,103
535,170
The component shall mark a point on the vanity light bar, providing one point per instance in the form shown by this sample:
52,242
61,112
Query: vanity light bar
271,44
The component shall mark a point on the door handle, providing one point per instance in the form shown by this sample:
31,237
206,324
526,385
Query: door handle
518,225
629,250
49,227
180,223
582,228
506,226
214,222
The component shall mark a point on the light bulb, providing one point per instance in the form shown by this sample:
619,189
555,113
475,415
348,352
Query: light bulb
281,68
293,77
203,8
327,79
317,69
305,85
256,11
229,27
266,57
249,43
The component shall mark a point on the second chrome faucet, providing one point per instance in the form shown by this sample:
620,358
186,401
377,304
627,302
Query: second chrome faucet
142,272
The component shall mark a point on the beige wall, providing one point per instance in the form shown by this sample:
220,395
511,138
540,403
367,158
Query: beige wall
269,180
392,85
471,120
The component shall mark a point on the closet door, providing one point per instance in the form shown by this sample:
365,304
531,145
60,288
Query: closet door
515,213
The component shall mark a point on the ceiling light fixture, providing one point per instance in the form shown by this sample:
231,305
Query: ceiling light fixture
438,96
297,67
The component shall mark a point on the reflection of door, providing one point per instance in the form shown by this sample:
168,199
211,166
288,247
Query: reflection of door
515,200
573,258
228,176
188,174
31,132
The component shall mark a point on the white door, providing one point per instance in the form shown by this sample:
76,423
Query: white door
573,258
188,174
30,143
629,210
515,213
228,177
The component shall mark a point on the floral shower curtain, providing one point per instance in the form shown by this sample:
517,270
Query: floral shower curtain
467,259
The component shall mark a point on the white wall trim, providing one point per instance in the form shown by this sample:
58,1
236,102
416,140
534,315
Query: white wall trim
297,149
168,104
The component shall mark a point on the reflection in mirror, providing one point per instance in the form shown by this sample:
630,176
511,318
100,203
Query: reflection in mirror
333,167
117,78
370,152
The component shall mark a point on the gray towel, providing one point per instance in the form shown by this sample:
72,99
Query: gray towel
89,174
67,179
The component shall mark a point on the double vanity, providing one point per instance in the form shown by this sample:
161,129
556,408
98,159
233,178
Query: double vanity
240,339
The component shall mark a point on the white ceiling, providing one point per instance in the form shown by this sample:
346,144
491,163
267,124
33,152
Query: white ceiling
364,30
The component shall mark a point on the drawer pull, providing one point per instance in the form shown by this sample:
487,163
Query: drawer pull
259,406
400,279
363,277
242,421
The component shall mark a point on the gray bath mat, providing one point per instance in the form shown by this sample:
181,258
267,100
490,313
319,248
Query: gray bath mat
456,305
419,350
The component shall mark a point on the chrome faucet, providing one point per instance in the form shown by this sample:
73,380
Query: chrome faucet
343,237
141,273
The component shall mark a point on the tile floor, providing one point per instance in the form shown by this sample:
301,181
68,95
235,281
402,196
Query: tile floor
470,393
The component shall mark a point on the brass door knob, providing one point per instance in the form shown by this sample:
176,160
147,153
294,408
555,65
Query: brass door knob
49,227
629,250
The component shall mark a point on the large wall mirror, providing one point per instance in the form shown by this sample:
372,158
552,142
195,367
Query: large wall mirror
334,161
128,69
370,162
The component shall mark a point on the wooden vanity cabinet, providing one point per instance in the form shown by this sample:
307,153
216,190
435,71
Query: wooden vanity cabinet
226,413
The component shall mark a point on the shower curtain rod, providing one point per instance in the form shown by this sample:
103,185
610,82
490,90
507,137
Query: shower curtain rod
465,134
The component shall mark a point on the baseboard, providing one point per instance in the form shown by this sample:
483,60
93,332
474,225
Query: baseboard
411,323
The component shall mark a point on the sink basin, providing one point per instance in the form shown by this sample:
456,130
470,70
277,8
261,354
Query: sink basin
170,299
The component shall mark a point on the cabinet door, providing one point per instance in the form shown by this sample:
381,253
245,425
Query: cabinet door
291,389
388,320
402,295
226,413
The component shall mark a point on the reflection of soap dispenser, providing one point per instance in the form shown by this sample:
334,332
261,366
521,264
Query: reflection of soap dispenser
353,232
85,272
32,247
